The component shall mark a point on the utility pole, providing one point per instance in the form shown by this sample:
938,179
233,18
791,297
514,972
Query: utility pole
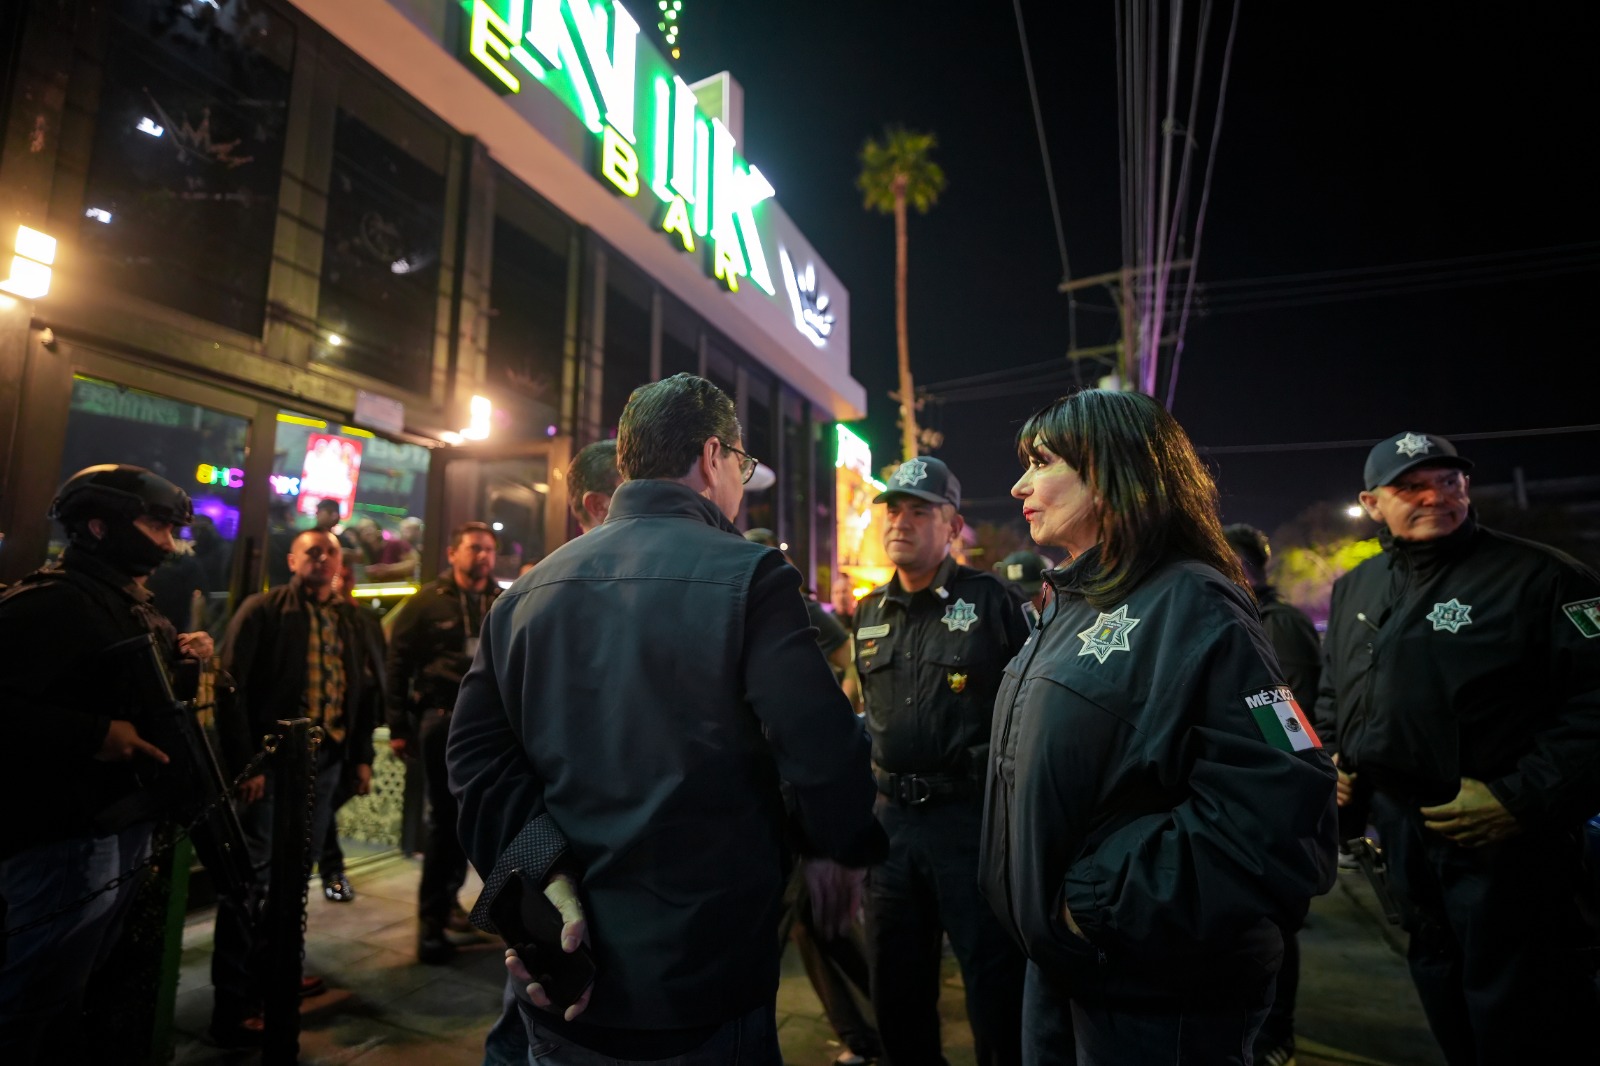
1119,283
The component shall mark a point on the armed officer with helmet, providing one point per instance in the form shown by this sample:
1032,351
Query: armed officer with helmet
75,760
931,646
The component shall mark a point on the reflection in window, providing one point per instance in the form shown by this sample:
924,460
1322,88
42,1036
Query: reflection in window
759,504
181,196
824,452
527,307
511,498
380,259
794,491
378,487
680,339
627,340
199,450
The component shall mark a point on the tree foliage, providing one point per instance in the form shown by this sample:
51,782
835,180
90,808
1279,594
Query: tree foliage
900,164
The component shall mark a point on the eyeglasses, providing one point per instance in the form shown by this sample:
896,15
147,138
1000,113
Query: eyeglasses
747,462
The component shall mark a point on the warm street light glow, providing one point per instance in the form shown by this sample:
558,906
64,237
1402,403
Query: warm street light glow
334,340
1354,510
30,267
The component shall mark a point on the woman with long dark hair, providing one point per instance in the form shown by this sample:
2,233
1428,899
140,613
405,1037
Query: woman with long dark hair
1158,807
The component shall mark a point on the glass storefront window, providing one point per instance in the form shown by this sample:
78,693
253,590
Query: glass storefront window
627,339
379,295
200,450
760,505
181,195
680,339
794,477
381,487
824,452
512,496
527,308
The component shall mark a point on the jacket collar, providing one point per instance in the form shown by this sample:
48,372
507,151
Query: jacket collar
942,577
87,562
1425,555
660,498
302,597
1070,578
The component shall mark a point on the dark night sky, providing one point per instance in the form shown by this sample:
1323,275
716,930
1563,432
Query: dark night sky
1353,136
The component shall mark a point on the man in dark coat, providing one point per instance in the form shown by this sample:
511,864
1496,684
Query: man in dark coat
294,651
620,739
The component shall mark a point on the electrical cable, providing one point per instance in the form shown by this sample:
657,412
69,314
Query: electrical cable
1329,445
1200,216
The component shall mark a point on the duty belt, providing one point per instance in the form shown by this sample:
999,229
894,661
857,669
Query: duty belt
914,790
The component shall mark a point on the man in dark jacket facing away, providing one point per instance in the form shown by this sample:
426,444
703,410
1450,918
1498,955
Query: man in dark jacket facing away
294,651
634,703
430,648
1462,682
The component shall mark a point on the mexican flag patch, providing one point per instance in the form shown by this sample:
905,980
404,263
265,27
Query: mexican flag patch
1585,614
1281,721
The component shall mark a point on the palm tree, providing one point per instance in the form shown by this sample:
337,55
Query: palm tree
894,172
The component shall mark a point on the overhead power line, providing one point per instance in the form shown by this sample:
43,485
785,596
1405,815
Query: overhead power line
1330,445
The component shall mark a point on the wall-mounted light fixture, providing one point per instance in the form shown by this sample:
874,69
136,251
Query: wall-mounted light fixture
30,266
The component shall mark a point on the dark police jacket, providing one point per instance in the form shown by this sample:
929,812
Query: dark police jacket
427,650
646,686
264,652
58,695
1142,777
1479,657
1294,641
930,665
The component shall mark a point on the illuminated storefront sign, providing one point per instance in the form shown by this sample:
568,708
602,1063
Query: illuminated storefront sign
860,533
222,476
284,485
811,315
332,466
653,134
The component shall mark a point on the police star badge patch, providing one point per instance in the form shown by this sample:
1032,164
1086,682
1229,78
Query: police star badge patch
1108,634
911,471
1450,615
958,682
1413,444
960,615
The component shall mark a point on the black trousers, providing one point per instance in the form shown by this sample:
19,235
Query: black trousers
444,863
1498,947
926,889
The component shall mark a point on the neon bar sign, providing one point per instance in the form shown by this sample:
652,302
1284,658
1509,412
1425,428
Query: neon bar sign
590,59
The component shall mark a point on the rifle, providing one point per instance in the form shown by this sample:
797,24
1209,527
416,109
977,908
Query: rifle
192,785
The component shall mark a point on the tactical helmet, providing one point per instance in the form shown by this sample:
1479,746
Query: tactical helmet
111,491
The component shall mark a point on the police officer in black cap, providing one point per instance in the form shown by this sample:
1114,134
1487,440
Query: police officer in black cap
73,811
1461,680
930,648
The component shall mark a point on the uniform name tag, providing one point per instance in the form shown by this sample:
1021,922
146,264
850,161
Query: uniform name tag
869,632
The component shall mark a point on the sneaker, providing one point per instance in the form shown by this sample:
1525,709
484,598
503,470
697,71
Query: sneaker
433,947
312,985
458,922
337,889
1347,859
1278,1055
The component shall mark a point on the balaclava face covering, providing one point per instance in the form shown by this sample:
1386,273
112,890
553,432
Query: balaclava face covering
124,547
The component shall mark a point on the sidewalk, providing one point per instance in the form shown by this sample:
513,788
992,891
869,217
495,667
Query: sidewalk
1356,1000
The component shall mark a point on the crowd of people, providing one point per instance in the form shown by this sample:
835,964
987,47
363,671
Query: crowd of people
1112,785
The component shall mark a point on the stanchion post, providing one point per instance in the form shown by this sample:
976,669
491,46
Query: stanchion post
282,925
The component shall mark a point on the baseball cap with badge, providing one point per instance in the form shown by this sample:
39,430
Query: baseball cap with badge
926,478
1403,452
1024,569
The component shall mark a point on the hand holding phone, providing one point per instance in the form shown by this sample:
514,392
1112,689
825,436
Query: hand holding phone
532,926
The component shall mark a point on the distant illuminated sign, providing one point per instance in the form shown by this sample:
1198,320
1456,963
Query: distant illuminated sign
284,485
811,315
331,469
230,477
653,134
854,453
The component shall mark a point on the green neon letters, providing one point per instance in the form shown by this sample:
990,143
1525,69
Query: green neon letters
652,132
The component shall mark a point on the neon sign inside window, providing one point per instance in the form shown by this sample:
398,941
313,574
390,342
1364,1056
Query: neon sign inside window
653,135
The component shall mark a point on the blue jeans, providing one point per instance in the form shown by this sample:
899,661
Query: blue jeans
47,968
1046,1024
749,1040
507,1042
925,889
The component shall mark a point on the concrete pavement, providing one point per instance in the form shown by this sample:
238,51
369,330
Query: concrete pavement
1356,1001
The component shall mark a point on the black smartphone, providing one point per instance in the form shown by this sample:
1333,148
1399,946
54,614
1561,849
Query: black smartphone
531,925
